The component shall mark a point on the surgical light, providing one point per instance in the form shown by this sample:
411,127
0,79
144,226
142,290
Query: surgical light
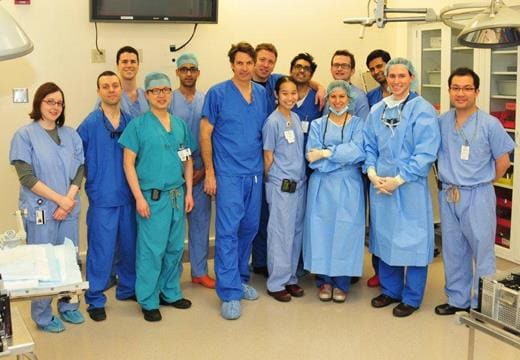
13,41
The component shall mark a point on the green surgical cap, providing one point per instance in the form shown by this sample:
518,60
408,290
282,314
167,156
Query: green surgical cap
156,79
187,58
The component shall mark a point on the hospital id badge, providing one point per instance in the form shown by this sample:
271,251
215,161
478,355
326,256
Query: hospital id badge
40,217
184,154
305,127
289,136
464,152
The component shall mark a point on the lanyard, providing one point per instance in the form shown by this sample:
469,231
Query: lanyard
463,136
327,125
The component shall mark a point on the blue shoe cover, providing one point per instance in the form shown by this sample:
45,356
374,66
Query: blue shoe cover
249,292
55,326
72,316
230,310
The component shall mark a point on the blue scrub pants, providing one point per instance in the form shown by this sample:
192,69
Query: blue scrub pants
468,246
54,233
198,231
340,282
284,234
375,263
238,214
259,253
403,282
111,233
160,244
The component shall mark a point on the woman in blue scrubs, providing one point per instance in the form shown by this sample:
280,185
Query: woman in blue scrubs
334,230
285,190
48,158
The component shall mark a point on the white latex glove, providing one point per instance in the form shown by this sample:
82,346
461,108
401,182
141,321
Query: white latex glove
374,179
390,184
317,154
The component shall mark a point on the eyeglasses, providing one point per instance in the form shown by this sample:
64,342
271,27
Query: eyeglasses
337,66
185,70
300,67
52,102
466,89
157,91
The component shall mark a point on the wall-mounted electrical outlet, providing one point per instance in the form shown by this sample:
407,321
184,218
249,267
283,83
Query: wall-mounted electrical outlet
96,57
20,95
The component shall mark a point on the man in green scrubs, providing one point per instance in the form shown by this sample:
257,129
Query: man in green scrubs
159,170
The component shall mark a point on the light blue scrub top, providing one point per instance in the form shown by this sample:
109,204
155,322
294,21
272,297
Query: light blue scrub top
134,109
158,165
55,165
288,158
237,128
190,112
487,143
106,184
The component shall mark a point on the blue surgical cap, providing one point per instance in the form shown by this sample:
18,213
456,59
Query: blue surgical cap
156,79
187,58
407,64
347,88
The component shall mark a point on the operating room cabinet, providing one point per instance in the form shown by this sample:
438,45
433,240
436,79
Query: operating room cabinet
435,52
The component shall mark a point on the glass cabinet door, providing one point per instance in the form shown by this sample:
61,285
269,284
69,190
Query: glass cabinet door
502,105
431,41
461,56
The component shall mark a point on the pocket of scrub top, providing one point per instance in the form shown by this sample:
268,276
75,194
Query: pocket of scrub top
479,152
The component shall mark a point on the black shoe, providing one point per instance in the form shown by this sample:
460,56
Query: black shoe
152,315
261,270
354,279
403,310
179,304
130,298
383,300
97,314
447,309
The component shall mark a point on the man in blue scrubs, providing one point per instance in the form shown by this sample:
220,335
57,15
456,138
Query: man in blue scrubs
376,62
133,100
342,67
234,113
111,226
159,171
474,153
187,104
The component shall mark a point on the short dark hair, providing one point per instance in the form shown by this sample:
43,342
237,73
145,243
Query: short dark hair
127,49
281,81
39,95
379,53
106,73
344,53
464,71
267,47
307,57
242,46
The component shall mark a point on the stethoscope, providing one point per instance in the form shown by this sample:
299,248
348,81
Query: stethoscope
327,125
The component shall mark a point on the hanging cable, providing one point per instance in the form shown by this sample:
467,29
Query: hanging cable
97,48
174,49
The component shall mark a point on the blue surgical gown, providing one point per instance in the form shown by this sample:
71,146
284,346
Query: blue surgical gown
334,229
401,225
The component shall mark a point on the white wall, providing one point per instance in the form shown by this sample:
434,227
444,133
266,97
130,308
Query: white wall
63,38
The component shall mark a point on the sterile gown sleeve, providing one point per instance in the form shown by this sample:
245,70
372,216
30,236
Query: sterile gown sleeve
347,153
425,139
370,143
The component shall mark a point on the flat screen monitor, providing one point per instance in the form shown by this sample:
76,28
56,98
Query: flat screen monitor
186,11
